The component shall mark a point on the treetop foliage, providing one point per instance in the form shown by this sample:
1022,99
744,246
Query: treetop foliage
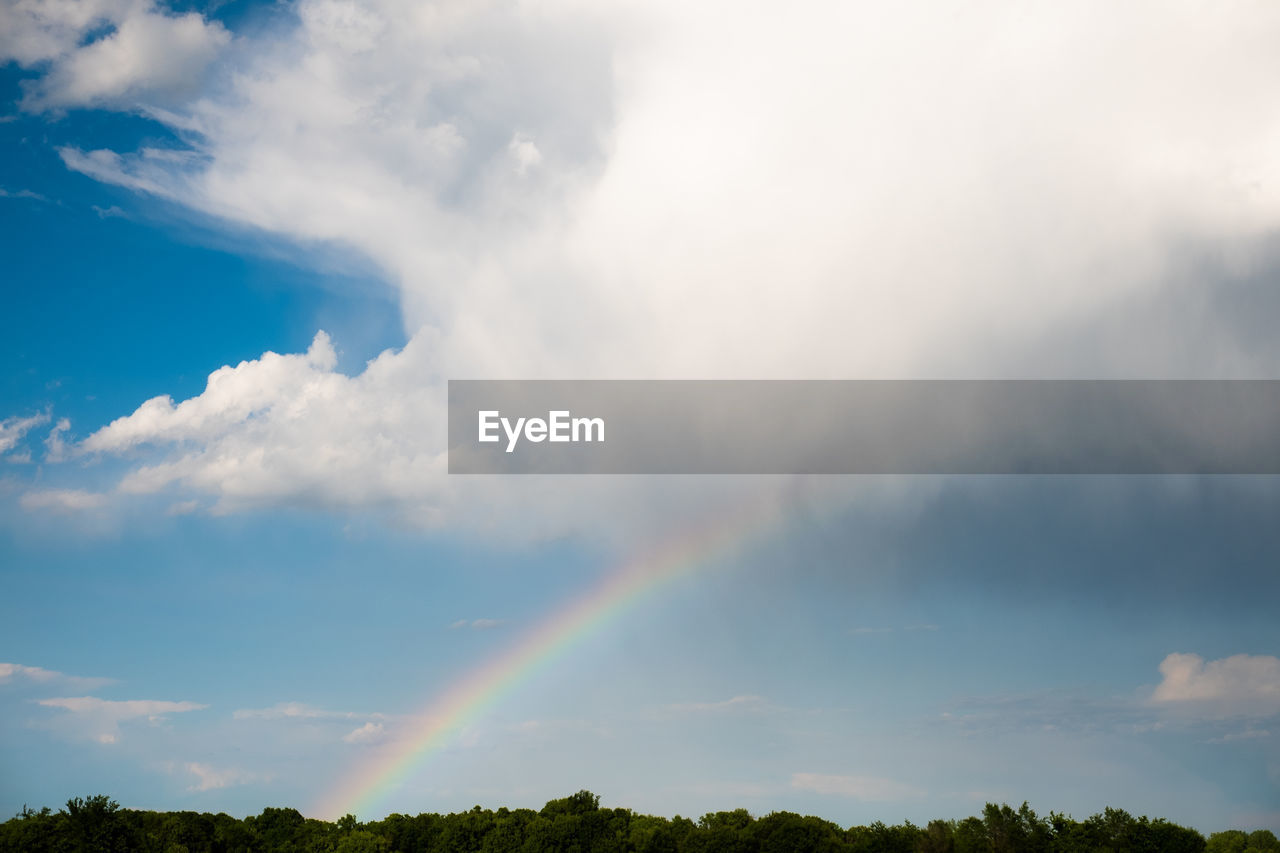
577,824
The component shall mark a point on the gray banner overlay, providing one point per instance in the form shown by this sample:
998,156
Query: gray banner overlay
864,427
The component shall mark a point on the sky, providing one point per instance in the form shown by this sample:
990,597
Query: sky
245,246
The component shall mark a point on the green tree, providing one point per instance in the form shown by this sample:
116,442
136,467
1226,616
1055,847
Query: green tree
938,837
1264,840
1230,841
96,824
37,832
362,841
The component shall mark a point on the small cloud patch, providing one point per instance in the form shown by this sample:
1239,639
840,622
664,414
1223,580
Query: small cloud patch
368,733
1240,684
867,788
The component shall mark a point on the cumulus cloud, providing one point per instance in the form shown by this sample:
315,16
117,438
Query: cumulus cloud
943,163
289,428
145,52
675,190
866,788
233,395
100,719
1240,684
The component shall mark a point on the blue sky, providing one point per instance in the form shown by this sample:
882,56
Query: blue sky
245,246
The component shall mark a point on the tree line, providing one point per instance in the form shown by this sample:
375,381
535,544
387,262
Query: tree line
577,824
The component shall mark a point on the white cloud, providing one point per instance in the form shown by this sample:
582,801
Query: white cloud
671,190
34,196
145,53
289,428
54,444
734,703
524,152
33,31
209,778
232,395
477,624
329,138
1240,684
121,709
866,788
15,672
13,429
368,733
298,711
100,719
65,500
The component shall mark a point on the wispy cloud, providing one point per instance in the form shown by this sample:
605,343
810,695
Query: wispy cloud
62,500
13,429
100,719
210,778
1058,710
34,196
866,788
16,672
745,702
297,711
34,673
368,733
55,446
477,624
1247,734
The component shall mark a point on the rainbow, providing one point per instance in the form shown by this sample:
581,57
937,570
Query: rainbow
360,791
